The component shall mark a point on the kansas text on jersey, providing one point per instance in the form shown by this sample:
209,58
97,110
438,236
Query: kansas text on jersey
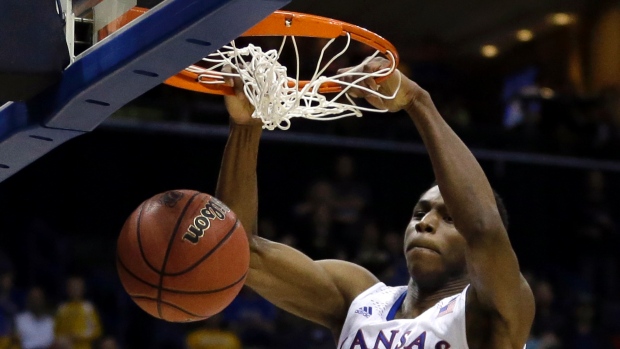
370,322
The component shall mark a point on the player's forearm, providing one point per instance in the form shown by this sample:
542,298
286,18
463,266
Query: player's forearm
236,185
463,184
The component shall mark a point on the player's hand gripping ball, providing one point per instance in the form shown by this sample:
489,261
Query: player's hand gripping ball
182,256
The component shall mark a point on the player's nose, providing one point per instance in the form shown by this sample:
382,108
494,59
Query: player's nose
426,225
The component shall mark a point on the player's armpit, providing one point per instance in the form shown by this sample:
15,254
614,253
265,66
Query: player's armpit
497,284
319,291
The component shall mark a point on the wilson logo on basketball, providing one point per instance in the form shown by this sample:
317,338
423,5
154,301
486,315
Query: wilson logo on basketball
212,210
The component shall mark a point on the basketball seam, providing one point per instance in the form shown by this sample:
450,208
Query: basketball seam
140,241
168,304
170,243
213,249
180,291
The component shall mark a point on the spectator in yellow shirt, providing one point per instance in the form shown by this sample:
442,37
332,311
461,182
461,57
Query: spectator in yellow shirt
77,319
213,335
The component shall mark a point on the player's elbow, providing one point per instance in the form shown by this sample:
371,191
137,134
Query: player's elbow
260,247
260,250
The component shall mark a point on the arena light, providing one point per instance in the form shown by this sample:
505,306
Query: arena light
524,35
489,51
547,93
562,18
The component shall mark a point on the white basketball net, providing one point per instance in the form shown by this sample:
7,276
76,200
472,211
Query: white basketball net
277,97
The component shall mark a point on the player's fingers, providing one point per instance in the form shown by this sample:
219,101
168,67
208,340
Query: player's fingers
376,101
372,84
370,67
345,70
233,81
356,93
354,89
228,80
347,78
367,82
378,63
358,90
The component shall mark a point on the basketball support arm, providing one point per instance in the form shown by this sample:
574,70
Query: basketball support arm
131,61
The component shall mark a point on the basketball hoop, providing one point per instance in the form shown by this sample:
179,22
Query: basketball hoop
277,97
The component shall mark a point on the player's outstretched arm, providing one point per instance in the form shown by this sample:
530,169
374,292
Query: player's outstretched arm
498,287
320,291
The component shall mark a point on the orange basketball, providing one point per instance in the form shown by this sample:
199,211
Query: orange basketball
182,256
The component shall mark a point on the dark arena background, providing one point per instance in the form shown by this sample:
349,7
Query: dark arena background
541,113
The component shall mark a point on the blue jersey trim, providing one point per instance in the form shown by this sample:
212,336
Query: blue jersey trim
396,306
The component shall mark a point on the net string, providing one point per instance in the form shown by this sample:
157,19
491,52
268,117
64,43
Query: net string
276,97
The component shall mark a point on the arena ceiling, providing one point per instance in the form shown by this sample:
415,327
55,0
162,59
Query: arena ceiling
464,25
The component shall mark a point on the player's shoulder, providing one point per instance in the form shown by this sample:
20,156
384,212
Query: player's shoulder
350,278
381,290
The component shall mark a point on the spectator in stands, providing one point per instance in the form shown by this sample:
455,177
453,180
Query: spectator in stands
370,252
396,272
34,326
583,333
78,319
103,342
549,323
8,303
213,334
607,122
108,342
320,194
315,217
253,318
351,197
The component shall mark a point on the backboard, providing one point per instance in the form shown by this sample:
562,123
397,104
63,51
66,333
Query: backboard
107,73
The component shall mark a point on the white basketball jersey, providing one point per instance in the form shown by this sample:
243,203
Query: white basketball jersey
370,322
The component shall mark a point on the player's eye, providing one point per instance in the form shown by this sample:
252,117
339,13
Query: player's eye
419,214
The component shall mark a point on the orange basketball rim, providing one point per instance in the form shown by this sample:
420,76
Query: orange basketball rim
284,23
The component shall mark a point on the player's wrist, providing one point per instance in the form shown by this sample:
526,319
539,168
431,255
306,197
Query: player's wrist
417,100
252,124
245,136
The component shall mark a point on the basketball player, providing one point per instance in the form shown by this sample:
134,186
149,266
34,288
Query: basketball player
466,289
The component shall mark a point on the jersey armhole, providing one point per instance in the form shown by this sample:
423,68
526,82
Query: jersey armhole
399,301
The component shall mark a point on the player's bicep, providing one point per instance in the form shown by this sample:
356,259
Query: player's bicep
497,281
318,291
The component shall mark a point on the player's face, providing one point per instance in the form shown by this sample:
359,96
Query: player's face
434,249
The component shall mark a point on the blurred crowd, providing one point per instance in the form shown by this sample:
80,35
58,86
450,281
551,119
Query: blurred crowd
337,215
29,320
528,109
568,256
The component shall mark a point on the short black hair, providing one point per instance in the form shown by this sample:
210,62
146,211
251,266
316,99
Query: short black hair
501,207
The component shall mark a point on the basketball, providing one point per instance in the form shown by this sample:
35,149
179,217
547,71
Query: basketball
182,256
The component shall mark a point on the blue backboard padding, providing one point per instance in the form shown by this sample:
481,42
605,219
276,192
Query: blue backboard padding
13,116
28,144
165,40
